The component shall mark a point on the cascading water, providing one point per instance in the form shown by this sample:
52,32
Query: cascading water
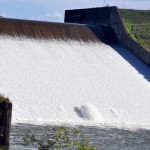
73,82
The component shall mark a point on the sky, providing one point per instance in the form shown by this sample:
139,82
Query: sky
52,10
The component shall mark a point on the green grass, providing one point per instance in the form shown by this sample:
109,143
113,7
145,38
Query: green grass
137,23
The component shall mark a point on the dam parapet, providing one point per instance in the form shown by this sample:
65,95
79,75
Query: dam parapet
110,19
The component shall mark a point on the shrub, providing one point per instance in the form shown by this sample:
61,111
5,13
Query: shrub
60,138
4,99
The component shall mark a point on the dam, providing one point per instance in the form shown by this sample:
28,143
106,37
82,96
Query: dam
80,72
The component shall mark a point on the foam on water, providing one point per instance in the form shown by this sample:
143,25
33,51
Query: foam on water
90,112
73,82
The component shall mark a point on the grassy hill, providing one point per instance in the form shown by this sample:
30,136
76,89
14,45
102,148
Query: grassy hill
137,23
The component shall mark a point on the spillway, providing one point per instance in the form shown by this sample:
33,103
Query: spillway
72,73
58,81
50,30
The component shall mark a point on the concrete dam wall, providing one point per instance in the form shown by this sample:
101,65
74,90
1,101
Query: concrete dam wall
72,73
108,18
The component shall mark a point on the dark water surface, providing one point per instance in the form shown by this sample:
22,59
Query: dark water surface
105,138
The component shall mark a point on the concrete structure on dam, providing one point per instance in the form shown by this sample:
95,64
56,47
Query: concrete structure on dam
93,24
110,19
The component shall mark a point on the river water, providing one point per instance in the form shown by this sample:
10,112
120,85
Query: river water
104,137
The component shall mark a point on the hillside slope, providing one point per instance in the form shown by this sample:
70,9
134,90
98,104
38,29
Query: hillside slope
137,23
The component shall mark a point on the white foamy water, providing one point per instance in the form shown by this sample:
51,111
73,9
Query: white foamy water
73,82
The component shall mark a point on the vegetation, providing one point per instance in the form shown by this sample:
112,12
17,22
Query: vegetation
60,138
4,99
4,147
137,23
